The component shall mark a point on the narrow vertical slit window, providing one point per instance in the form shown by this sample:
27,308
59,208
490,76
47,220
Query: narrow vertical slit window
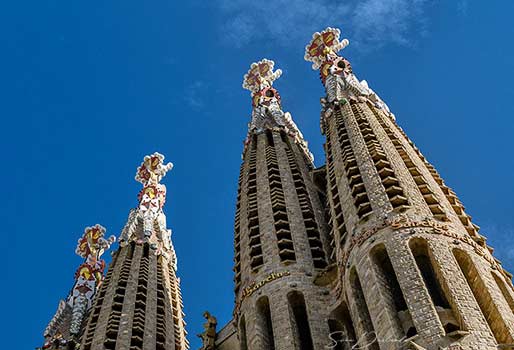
336,220
300,321
278,205
342,333
337,335
283,137
269,138
447,315
483,297
357,188
390,289
243,342
98,304
383,166
138,325
309,218
264,324
367,335
160,325
504,288
254,237
113,323
237,233
426,191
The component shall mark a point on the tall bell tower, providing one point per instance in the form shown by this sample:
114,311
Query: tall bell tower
281,236
138,305
413,269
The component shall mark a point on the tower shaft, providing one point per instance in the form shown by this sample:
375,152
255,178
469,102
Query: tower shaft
139,305
413,269
282,240
281,237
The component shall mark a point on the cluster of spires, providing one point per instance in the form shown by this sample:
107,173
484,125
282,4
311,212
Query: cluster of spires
266,113
322,51
65,327
147,222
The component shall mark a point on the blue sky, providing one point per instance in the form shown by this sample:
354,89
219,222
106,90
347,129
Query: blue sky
88,88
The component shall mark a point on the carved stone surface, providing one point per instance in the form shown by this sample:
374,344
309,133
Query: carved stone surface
373,247
407,268
209,334
393,292
149,213
267,111
139,304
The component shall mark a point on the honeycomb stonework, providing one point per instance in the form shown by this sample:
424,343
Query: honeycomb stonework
282,237
402,265
370,251
138,305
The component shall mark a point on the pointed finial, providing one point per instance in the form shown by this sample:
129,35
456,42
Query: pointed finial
151,200
92,243
324,47
149,211
152,169
259,81
89,275
261,75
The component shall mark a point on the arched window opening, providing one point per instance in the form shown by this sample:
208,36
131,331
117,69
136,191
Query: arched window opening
390,288
483,298
264,324
342,334
243,343
368,335
447,315
504,289
300,321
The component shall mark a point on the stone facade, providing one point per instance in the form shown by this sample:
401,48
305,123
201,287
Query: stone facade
138,305
370,251
402,266
281,234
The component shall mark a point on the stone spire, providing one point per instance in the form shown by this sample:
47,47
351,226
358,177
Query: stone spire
411,265
139,305
280,232
267,110
64,328
336,71
149,212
